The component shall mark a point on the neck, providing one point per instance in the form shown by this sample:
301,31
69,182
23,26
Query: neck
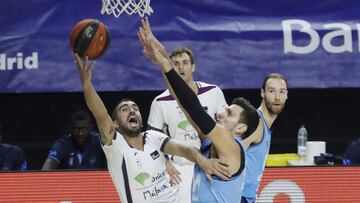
135,142
269,117
192,84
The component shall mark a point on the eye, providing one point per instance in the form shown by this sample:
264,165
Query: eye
186,62
124,109
282,91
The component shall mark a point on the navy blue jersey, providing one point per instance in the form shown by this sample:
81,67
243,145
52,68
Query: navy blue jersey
352,152
68,156
12,158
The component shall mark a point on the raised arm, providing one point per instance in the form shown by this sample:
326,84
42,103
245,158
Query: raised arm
225,146
93,101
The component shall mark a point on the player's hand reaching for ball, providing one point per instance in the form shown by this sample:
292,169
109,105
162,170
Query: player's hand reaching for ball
84,67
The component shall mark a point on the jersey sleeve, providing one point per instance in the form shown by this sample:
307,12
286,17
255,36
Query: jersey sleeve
159,139
58,151
221,102
156,117
116,149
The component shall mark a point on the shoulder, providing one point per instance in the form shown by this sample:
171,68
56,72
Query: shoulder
155,136
165,96
11,148
207,87
64,140
355,144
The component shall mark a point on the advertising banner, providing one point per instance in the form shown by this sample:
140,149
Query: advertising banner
236,44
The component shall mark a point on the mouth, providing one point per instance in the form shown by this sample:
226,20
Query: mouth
132,121
217,119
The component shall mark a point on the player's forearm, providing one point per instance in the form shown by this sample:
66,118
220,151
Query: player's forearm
193,155
94,102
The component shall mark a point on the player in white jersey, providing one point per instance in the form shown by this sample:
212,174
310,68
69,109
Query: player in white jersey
166,116
136,160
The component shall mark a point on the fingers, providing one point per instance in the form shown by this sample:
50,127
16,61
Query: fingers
208,177
175,178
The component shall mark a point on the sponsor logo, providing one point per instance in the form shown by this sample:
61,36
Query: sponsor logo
19,62
142,177
183,124
155,191
337,40
155,154
191,136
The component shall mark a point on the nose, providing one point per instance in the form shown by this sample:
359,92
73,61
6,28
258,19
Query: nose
277,95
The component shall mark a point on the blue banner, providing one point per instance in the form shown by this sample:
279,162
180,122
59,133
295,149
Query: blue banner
236,43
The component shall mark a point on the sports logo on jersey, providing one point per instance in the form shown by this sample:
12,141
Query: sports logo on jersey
183,124
141,177
155,154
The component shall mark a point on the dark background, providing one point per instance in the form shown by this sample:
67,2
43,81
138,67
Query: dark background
35,121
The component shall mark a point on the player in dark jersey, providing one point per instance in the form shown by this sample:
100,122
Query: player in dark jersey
11,157
80,149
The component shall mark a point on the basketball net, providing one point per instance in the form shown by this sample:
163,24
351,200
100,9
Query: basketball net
117,7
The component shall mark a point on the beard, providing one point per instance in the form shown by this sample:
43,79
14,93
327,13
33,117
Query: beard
274,110
130,132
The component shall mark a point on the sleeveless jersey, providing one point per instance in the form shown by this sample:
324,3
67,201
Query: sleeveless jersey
256,156
219,191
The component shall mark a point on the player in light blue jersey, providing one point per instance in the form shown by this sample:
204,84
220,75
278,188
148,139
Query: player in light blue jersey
221,139
274,95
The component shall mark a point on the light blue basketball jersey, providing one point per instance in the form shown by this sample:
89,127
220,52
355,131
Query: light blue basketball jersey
255,163
220,191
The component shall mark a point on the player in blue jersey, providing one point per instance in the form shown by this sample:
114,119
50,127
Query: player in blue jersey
11,157
219,139
80,149
274,95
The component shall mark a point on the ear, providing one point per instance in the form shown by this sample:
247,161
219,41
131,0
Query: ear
262,93
241,128
116,124
193,67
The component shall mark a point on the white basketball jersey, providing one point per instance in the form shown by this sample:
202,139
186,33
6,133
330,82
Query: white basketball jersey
140,176
166,113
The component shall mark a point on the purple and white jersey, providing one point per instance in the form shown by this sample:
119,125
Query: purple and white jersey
140,176
165,113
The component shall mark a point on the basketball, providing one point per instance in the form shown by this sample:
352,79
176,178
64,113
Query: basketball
90,38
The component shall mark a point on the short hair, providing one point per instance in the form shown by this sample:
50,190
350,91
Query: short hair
249,115
79,116
114,113
276,76
182,50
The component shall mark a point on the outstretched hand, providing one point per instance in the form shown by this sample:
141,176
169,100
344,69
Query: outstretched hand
215,167
173,173
153,49
84,67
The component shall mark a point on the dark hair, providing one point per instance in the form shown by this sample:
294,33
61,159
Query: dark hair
249,116
274,75
181,50
79,116
114,113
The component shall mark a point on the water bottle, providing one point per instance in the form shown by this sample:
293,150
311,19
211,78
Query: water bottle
302,139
